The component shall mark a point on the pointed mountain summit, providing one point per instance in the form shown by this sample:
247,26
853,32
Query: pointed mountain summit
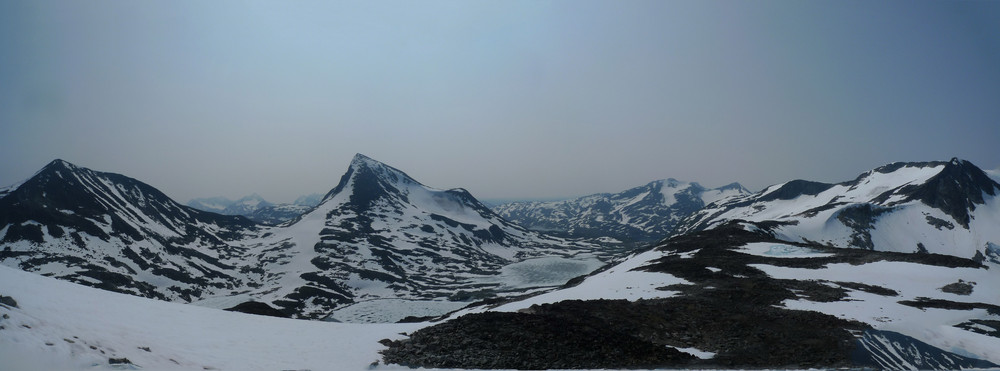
945,207
108,230
382,234
641,214
955,190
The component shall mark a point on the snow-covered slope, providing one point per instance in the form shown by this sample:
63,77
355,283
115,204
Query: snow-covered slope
644,213
58,325
940,207
741,299
381,234
114,232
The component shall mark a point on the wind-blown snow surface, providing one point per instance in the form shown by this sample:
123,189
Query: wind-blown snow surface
911,281
86,327
948,208
643,213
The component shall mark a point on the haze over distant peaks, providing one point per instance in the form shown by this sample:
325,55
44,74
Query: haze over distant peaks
644,213
257,208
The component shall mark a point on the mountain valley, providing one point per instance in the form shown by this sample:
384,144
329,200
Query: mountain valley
379,234
896,269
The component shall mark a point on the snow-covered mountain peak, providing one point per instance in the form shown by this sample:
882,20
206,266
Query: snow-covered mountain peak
360,159
253,200
56,167
643,213
368,181
60,164
902,206
381,234
115,232
379,169
672,183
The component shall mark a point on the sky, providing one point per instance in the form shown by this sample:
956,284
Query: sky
508,99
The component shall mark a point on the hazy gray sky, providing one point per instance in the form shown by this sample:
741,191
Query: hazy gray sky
504,98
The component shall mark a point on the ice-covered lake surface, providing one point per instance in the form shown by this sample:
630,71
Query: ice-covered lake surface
540,272
525,275
781,250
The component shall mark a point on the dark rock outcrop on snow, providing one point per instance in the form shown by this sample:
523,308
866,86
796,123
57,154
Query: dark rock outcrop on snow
254,307
733,310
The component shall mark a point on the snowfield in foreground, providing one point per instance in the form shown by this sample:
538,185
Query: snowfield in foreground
64,326
911,281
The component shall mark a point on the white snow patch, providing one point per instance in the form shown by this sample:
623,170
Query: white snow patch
392,310
618,282
74,318
911,281
697,353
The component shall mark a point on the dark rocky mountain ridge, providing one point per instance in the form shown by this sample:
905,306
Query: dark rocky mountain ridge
102,229
906,207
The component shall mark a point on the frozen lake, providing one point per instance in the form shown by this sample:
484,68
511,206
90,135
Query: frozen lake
549,271
531,273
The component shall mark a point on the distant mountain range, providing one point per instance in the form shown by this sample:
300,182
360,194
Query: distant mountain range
641,214
256,208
